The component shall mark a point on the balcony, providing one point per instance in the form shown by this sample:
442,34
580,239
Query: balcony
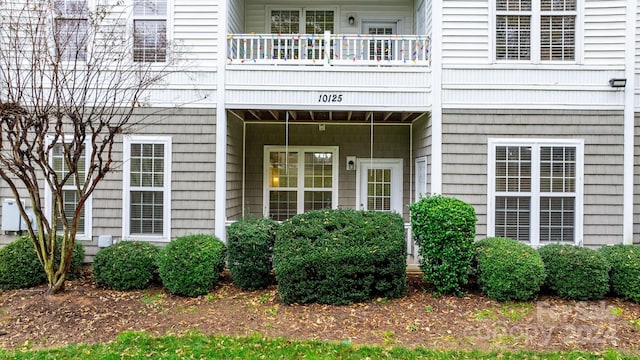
329,49
329,72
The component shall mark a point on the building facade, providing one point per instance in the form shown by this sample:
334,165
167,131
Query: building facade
516,107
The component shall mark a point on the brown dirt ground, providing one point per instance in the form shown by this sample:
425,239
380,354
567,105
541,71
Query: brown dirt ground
89,314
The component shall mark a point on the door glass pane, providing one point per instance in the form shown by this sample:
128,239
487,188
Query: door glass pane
379,189
380,49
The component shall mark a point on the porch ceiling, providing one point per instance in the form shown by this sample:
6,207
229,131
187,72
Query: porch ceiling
258,115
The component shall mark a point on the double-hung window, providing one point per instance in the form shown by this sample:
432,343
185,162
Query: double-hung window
296,21
69,189
150,30
299,179
71,30
147,188
535,190
536,30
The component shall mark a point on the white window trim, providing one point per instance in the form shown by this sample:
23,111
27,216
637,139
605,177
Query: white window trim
126,186
535,192
303,10
397,189
300,188
536,14
168,18
420,186
87,235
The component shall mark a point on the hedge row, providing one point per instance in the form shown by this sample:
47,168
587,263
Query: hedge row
509,270
20,267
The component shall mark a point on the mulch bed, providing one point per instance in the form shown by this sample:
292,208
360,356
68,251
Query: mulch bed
85,313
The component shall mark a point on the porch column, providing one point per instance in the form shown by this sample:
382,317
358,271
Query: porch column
629,119
221,129
436,89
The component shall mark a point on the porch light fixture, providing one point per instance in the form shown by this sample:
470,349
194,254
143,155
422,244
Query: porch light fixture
352,20
617,83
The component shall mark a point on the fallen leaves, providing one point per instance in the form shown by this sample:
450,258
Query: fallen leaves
86,313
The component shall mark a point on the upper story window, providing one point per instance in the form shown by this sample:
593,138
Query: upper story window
71,30
535,190
290,21
536,30
150,30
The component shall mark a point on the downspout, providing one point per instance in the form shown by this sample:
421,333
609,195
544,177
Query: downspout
221,127
436,95
629,120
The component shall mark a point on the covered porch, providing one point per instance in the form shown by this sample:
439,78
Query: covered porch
284,162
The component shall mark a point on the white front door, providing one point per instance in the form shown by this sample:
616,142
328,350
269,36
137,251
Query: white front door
380,49
379,185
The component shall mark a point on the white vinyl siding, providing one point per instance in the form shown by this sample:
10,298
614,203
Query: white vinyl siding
299,179
147,188
535,190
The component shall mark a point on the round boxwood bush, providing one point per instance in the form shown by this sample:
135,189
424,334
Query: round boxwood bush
126,265
21,268
340,257
625,270
575,272
508,270
250,249
191,265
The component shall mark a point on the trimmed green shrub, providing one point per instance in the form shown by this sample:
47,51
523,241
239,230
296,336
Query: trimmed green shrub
444,228
575,272
624,275
21,268
250,250
126,265
191,265
508,270
340,257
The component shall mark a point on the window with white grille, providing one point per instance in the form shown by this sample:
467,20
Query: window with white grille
536,30
150,30
71,30
147,193
299,179
535,190
70,197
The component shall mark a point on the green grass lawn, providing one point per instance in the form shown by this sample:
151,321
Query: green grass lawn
134,345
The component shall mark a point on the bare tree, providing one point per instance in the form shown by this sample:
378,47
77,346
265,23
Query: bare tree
69,86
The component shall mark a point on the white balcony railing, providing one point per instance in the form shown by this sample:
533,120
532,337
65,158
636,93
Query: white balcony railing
329,49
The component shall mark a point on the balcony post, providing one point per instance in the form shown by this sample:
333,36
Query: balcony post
326,56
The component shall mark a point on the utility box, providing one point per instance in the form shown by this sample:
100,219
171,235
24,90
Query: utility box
11,218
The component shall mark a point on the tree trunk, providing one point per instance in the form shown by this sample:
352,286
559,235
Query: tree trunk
57,285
